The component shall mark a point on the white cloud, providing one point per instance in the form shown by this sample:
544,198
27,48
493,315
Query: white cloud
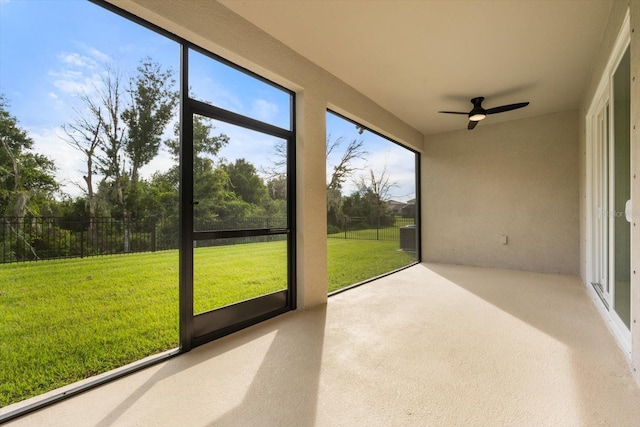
161,163
76,74
209,91
73,82
254,147
98,55
57,103
69,162
263,110
77,60
79,72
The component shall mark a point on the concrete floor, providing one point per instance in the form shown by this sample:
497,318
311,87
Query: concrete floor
432,345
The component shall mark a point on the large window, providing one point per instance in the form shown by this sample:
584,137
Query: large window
88,198
372,205
141,212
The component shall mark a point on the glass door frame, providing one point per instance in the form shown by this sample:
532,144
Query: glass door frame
601,212
197,329
600,203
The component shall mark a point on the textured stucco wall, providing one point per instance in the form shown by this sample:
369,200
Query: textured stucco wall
616,17
518,179
219,30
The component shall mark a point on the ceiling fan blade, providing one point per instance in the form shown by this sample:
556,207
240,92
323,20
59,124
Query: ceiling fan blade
453,112
504,108
471,124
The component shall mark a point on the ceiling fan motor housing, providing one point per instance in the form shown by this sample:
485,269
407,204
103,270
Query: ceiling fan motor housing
477,113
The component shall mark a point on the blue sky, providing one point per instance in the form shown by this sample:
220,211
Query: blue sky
382,155
52,50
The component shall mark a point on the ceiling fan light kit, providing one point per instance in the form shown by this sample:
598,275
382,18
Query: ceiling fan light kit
479,113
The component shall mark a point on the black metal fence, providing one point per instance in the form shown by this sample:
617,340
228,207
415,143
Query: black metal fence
360,228
33,239
40,238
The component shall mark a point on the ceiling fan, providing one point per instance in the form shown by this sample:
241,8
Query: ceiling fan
478,113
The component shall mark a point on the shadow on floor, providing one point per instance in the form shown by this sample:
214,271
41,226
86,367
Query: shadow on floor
283,388
558,306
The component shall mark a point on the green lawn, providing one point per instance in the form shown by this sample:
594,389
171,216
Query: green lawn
62,321
352,261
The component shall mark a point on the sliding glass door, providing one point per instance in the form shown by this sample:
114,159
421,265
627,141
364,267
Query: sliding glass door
610,192
620,184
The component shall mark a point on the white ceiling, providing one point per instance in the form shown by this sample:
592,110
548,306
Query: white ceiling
417,57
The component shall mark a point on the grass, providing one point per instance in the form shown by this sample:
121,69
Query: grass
62,321
227,274
66,320
352,261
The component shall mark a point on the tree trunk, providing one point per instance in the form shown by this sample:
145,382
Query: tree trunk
92,231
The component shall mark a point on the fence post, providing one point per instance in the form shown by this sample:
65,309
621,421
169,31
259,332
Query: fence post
81,238
344,221
154,221
378,228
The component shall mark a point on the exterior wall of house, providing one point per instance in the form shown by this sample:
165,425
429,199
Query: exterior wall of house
217,29
517,179
616,18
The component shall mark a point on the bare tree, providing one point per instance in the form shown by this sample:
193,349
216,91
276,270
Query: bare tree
99,133
121,131
379,186
106,109
345,168
278,166
341,171
83,134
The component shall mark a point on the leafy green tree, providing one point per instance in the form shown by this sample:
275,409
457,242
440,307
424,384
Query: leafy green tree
159,196
368,202
121,130
27,179
245,182
277,187
152,104
27,183
380,186
159,199
205,145
211,187
276,203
